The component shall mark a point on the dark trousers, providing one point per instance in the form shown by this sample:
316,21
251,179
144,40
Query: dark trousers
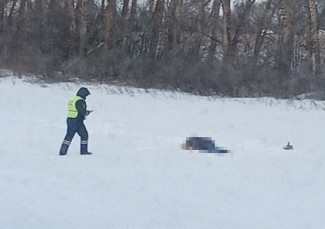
75,127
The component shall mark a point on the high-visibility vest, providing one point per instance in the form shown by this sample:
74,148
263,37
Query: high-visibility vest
72,109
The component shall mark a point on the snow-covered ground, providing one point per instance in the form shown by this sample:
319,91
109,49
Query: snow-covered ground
138,177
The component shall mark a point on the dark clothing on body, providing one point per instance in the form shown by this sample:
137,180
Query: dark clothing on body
200,143
76,125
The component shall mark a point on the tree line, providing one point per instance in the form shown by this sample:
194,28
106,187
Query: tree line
207,47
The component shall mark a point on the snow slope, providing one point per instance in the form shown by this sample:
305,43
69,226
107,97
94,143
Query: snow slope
138,177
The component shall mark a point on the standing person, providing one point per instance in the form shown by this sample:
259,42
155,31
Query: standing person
76,115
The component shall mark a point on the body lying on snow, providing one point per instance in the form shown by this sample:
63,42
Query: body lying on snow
203,144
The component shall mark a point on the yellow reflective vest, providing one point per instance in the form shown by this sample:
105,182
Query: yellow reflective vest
72,109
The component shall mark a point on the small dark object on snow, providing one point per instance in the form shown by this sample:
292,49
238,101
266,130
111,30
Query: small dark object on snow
288,146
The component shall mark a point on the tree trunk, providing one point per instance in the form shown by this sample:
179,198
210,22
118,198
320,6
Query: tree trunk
314,38
286,45
11,12
133,9
174,24
151,4
156,28
214,24
21,16
3,3
101,12
197,36
308,37
83,28
110,22
72,28
40,8
262,29
125,9
232,47
226,28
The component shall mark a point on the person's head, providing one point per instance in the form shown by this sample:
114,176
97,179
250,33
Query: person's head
83,92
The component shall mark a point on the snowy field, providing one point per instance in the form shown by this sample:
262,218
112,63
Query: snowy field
138,177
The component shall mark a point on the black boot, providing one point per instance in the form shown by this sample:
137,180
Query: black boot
84,149
64,148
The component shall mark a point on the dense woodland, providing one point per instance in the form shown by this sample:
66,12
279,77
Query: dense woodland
207,47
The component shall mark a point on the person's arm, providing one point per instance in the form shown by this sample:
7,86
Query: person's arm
82,108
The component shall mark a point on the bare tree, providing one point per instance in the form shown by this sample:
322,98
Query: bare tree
53,34
196,30
83,28
263,27
18,35
40,18
151,4
231,47
110,24
214,24
226,27
11,13
3,34
156,28
314,37
21,16
198,34
125,35
125,8
286,42
72,28
133,9
174,24
133,21
3,3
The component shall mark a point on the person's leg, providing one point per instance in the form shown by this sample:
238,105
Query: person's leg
210,145
68,138
83,133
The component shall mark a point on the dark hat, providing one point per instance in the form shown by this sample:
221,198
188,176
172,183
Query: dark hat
83,92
